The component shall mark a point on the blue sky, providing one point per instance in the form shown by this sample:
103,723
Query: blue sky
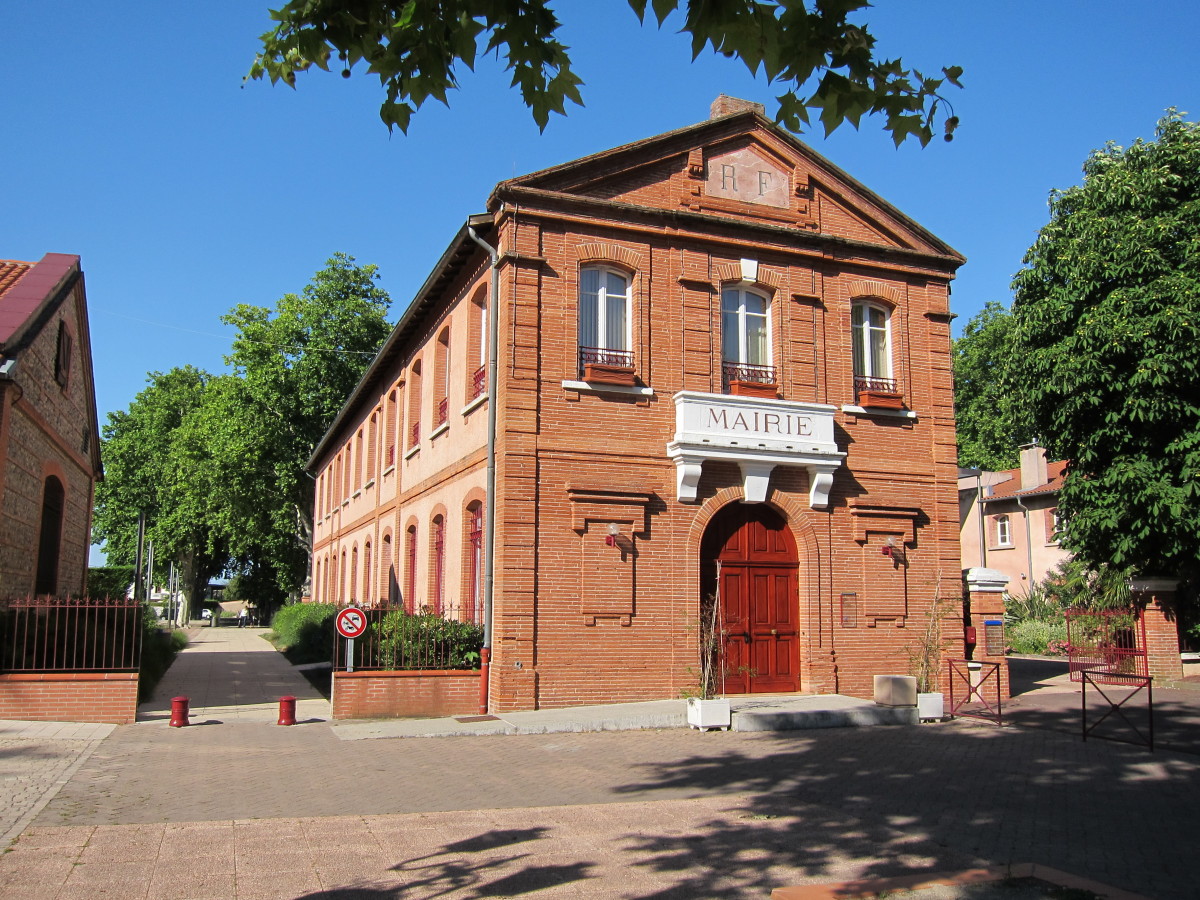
127,138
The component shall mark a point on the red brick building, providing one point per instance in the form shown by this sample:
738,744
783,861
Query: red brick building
49,453
722,368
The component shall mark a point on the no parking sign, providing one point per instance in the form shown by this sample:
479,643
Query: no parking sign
350,623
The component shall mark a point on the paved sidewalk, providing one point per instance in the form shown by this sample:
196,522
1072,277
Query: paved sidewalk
232,674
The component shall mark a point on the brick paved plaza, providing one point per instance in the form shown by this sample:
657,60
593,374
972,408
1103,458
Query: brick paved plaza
246,809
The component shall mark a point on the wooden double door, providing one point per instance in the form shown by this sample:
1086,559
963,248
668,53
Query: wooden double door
750,563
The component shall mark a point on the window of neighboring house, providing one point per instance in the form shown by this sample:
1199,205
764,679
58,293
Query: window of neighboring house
604,340
414,404
388,587
870,332
1003,532
347,456
441,378
477,345
317,595
1054,525
353,586
341,579
410,569
437,563
745,338
474,610
62,356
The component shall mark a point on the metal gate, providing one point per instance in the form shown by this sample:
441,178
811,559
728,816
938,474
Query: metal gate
1108,644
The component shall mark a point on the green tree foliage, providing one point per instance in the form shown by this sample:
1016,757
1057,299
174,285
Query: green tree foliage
293,368
150,466
825,63
982,407
1106,326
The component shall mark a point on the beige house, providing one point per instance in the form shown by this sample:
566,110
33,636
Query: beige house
1009,519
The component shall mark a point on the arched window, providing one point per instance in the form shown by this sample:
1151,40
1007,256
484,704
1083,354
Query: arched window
745,328
414,404
390,425
353,585
368,595
1003,531
477,348
317,598
50,536
358,459
341,579
441,379
372,440
389,589
437,564
604,319
870,332
474,547
410,568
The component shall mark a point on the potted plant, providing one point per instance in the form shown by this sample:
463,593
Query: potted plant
924,662
705,709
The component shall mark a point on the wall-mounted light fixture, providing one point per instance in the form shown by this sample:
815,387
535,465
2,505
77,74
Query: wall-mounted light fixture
610,539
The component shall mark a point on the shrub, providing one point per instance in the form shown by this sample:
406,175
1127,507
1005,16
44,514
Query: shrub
109,581
1034,636
426,640
159,649
304,631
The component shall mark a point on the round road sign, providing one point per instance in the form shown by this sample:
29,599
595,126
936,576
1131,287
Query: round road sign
351,622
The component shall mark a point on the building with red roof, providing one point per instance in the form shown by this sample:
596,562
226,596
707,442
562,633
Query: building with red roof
1009,519
49,453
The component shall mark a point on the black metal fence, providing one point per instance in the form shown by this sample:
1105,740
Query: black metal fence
54,634
397,639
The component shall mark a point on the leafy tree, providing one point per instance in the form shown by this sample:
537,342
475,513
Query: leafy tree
293,368
982,407
1106,325
149,467
823,61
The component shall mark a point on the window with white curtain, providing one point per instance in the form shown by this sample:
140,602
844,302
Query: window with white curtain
604,316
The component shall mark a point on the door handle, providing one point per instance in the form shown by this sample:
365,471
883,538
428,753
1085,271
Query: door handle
774,632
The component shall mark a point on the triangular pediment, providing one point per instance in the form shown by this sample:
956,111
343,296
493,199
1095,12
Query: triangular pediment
739,167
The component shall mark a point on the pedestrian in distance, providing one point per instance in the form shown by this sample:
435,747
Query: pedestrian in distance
243,615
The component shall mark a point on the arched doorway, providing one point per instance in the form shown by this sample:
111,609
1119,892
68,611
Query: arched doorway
50,537
749,561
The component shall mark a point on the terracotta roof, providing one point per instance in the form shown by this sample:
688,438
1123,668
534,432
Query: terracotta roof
23,295
10,273
1055,471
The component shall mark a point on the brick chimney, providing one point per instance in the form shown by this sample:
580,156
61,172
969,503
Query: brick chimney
1033,466
725,105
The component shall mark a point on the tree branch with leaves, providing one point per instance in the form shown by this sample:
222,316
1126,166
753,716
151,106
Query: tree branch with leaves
826,63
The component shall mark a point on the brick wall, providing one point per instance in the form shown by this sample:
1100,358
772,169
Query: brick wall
70,697
385,695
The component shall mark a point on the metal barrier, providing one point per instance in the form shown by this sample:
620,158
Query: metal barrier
977,678
1108,643
1138,683
54,634
397,639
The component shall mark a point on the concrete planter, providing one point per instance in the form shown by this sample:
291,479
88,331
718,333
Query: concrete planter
705,714
931,706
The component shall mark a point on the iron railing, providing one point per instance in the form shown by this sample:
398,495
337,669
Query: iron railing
415,434
735,371
600,356
1134,735
479,382
1108,644
52,634
398,639
443,411
390,456
871,383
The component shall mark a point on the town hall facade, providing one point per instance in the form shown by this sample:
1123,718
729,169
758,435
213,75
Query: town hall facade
721,372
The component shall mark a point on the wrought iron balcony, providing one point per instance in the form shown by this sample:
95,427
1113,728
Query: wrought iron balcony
479,382
599,356
415,434
870,383
746,372
443,411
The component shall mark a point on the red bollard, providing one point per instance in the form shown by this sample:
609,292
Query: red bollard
179,712
287,711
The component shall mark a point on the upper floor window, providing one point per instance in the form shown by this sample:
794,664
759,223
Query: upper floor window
604,340
62,355
871,343
745,339
1003,532
477,347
